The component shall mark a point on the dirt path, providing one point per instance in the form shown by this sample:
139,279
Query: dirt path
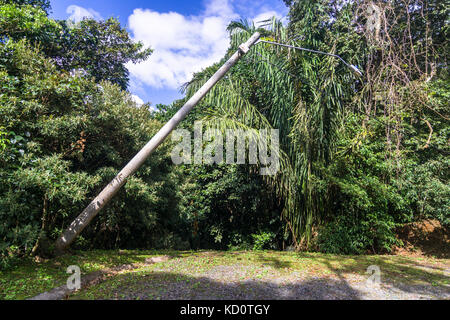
259,276
212,285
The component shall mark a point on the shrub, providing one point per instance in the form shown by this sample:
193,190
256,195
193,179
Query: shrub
264,240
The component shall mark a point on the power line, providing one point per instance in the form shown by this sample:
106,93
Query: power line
352,67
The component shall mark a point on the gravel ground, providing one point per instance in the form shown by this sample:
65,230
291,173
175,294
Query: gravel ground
233,282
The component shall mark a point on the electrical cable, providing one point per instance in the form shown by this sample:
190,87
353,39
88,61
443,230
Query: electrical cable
352,67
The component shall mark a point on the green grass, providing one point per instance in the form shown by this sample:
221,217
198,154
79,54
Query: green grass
31,278
265,266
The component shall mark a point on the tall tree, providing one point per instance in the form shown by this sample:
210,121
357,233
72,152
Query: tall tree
98,49
298,94
42,4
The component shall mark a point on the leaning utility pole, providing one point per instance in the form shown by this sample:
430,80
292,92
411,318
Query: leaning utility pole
85,217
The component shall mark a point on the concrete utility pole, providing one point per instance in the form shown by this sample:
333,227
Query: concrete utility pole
85,217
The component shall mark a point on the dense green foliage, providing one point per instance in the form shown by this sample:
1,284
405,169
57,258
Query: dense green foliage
359,155
67,137
389,155
228,208
64,135
42,4
98,49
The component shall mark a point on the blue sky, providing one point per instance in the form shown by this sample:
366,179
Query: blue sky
186,36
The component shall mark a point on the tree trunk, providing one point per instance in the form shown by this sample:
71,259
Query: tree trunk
38,244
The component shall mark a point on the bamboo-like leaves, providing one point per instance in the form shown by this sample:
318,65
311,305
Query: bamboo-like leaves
275,87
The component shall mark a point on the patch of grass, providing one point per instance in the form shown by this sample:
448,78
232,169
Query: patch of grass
30,278
266,266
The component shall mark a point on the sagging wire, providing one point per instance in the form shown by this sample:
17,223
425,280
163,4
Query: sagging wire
351,66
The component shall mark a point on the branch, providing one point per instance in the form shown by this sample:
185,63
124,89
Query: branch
431,133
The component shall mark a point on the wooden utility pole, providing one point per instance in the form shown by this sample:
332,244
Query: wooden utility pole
85,217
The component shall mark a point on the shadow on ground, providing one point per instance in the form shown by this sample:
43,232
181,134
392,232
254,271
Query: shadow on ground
162,285
402,275
171,286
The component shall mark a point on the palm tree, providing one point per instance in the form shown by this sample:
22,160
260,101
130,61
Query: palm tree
298,94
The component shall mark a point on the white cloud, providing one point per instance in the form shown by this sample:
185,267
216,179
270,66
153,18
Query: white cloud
137,100
77,13
182,44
